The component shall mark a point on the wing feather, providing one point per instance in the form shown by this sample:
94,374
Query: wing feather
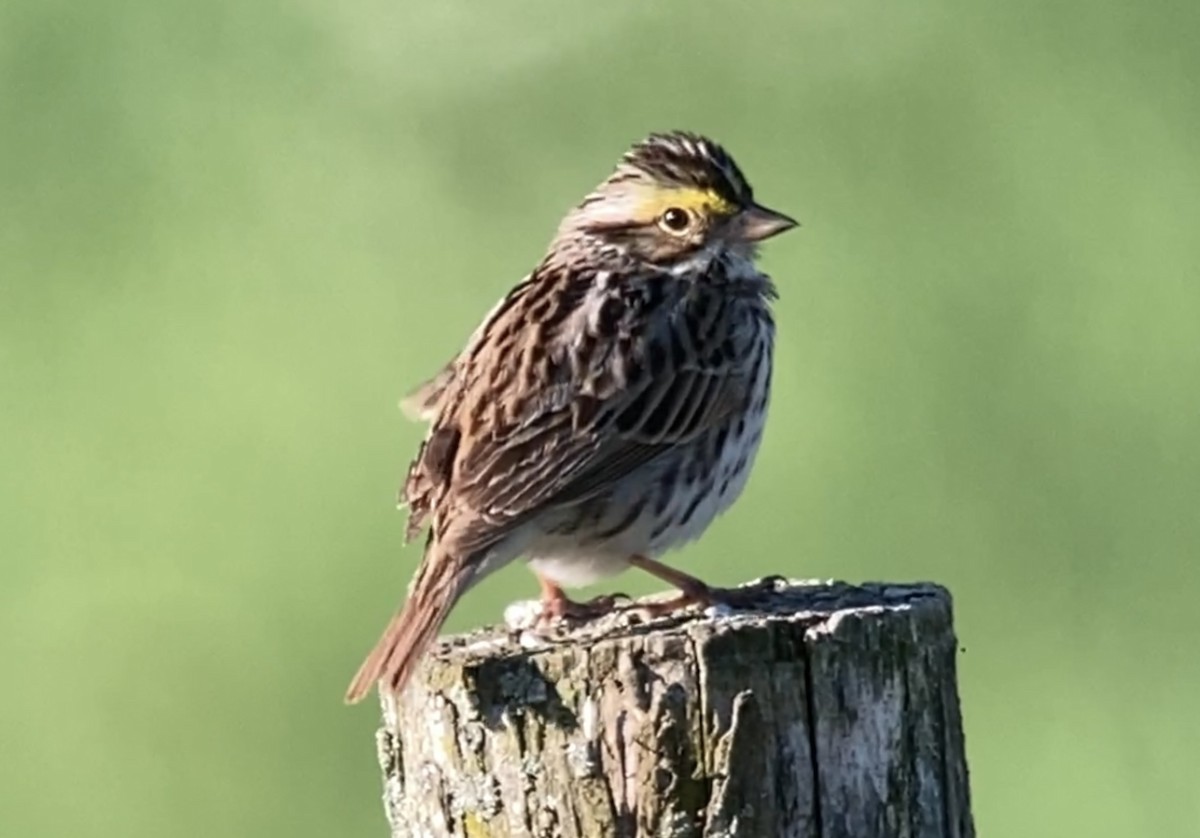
589,396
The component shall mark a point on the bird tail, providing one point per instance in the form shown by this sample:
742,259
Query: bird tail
440,581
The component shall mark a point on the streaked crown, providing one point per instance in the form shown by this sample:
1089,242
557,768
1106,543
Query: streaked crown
683,160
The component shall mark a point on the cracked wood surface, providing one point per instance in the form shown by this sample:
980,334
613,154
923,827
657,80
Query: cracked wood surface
830,711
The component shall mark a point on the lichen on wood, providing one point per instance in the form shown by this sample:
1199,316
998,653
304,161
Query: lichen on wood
827,711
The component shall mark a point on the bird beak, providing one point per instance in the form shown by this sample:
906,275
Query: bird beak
756,223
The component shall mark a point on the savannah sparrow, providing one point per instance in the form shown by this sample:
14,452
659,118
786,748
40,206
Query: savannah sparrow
607,409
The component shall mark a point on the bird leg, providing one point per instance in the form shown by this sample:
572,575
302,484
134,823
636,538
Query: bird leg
558,607
692,591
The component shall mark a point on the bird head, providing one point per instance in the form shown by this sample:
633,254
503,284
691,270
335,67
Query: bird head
674,197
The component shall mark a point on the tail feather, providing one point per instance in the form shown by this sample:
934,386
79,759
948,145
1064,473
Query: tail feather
392,662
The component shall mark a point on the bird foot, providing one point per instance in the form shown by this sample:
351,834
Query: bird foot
706,596
562,609
703,596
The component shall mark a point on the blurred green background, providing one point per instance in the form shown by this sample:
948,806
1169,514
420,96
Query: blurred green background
231,235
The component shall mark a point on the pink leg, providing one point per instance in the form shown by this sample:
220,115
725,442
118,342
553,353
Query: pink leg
692,591
557,606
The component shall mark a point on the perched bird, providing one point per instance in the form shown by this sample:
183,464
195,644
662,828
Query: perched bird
607,409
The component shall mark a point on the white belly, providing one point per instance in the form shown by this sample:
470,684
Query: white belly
571,569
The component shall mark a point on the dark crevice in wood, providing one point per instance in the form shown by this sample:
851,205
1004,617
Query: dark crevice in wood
706,777
810,707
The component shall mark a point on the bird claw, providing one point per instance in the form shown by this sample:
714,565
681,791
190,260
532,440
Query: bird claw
772,582
715,601
560,610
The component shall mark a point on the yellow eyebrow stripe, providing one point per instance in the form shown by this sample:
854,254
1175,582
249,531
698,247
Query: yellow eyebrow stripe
701,201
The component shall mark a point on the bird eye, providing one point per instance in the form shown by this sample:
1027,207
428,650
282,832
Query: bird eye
676,220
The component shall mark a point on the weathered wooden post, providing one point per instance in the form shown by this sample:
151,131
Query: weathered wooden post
831,712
